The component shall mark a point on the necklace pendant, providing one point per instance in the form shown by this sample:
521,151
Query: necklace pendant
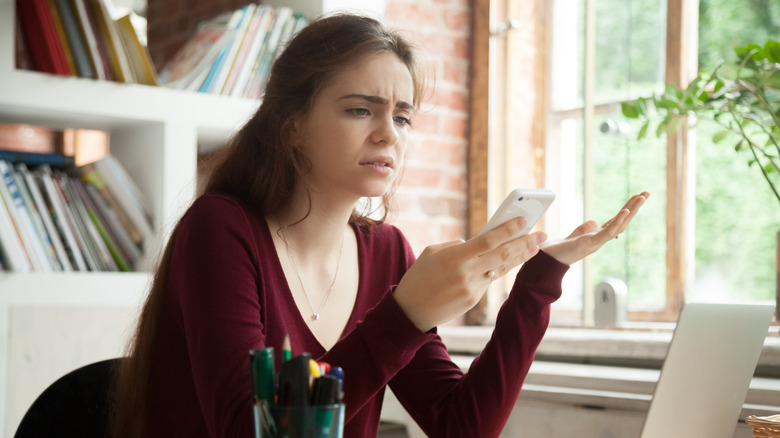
315,316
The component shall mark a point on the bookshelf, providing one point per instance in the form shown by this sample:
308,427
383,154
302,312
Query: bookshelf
56,322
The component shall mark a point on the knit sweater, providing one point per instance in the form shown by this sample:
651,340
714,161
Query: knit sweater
227,294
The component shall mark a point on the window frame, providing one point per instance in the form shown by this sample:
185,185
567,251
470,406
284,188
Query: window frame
681,67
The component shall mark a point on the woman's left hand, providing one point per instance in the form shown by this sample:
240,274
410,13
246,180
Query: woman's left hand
589,237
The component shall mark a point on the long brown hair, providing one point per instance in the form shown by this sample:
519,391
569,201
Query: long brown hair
260,166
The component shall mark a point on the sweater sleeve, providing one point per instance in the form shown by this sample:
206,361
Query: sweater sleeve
446,402
212,280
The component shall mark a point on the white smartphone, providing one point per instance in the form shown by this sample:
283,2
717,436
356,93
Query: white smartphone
528,203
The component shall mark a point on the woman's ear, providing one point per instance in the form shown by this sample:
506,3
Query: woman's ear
295,132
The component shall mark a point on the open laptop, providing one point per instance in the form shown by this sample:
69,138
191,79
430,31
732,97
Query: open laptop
705,376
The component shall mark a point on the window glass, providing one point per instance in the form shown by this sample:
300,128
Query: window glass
737,215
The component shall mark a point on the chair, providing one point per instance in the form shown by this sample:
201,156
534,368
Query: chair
74,405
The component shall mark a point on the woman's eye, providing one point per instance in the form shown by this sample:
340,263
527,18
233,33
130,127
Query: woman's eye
360,112
402,120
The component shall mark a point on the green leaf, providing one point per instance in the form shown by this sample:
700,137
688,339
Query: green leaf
661,128
667,104
630,110
641,105
772,51
643,130
770,167
719,136
740,146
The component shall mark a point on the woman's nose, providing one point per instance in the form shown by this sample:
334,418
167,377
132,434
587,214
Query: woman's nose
386,131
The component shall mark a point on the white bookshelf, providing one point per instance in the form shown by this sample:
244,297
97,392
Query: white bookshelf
53,323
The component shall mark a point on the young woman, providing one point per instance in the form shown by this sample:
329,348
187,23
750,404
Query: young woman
276,246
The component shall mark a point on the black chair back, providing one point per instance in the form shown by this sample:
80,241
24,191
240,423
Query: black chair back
75,405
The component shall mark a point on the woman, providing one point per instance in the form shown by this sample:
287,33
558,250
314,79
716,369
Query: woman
275,247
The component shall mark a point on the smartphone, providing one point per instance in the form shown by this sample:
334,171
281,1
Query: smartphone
528,203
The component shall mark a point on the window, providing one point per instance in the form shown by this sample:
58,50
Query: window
709,230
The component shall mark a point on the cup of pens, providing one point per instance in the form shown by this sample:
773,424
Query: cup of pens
304,401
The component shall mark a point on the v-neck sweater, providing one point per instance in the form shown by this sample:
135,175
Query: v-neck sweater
226,294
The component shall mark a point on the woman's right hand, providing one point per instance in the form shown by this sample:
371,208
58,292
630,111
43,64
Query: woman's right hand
448,279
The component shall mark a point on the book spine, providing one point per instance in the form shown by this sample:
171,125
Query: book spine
77,44
232,26
34,213
76,226
23,222
88,34
64,227
257,42
112,224
40,36
51,229
14,255
34,159
55,14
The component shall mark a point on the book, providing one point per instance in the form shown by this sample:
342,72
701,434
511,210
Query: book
51,230
44,48
258,38
118,260
96,185
84,145
228,62
128,195
191,64
57,211
266,57
19,215
35,218
34,159
76,41
88,34
109,33
137,53
75,222
14,255
249,26
55,14
27,138
222,57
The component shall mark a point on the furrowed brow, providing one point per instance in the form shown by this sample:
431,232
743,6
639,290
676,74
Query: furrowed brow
378,100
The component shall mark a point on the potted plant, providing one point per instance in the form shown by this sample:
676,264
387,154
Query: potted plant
742,97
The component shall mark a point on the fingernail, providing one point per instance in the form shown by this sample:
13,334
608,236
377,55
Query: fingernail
541,237
521,222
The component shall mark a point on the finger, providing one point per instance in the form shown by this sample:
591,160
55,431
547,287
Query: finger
494,238
585,228
509,255
633,209
631,205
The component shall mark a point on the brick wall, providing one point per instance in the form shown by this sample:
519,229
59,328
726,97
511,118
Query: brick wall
431,201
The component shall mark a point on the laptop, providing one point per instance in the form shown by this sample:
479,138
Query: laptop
705,377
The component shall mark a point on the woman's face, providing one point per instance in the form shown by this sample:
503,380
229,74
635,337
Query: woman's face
357,131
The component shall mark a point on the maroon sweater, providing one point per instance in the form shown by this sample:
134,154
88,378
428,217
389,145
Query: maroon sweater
227,294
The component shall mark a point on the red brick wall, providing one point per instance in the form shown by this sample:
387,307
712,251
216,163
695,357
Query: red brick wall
431,201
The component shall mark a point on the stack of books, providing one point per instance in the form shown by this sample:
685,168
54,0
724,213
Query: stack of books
82,38
231,55
56,216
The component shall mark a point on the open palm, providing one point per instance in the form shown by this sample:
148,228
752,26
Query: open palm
589,237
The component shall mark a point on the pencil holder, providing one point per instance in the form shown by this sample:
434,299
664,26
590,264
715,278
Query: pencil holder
317,421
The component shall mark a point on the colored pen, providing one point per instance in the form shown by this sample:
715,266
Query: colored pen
286,349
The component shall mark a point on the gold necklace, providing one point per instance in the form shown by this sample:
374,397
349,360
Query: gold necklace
315,316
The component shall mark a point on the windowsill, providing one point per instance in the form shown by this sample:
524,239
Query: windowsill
636,345
610,368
